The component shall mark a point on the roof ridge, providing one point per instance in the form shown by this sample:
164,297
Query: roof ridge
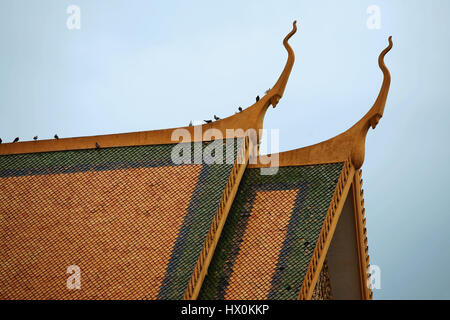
249,118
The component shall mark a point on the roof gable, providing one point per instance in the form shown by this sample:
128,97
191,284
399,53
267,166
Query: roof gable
131,219
270,234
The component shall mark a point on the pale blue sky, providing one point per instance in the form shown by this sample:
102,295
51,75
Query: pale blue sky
142,65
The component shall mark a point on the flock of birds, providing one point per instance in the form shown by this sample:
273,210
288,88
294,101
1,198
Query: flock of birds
217,118
35,138
97,146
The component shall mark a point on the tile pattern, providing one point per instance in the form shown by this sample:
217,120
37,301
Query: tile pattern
270,233
131,219
266,230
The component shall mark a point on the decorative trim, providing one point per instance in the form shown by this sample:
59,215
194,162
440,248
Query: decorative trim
249,119
361,235
212,238
327,231
349,144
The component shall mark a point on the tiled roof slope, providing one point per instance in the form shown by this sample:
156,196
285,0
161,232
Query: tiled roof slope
131,219
270,233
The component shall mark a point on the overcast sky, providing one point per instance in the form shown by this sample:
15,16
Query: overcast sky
143,65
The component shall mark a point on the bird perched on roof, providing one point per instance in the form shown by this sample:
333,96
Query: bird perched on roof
190,123
97,146
207,121
35,138
56,137
216,118
16,139
257,98
240,109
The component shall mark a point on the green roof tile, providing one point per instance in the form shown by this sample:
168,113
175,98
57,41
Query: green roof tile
313,187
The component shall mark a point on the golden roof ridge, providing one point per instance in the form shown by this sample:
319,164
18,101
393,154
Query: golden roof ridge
250,118
349,144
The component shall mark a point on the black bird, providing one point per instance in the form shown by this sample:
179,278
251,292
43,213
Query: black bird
97,146
16,139
240,109
190,123
35,138
208,121
0,140
257,98
56,137
216,117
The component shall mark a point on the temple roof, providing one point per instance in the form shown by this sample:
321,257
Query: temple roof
142,226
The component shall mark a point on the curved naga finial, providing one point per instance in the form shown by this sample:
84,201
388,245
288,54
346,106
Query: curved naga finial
253,116
274,95
373,115
349,144
278,89
376,112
